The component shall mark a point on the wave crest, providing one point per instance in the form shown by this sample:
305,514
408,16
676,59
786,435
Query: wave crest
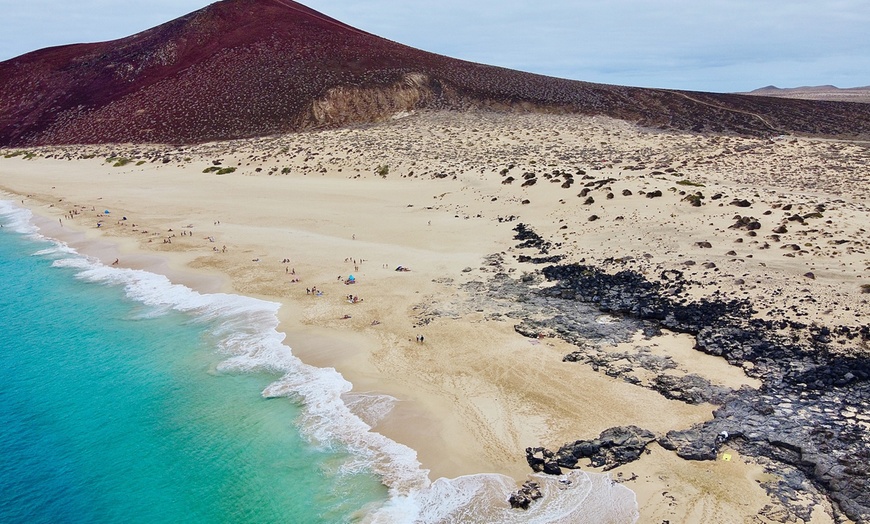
247,333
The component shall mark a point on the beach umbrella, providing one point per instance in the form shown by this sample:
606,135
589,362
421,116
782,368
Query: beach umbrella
106,212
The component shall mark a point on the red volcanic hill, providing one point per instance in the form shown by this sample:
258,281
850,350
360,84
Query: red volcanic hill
243,68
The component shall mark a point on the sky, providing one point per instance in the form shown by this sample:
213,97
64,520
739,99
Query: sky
700,45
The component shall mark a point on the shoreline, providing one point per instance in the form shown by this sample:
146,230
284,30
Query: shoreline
328,348
409,420
452,396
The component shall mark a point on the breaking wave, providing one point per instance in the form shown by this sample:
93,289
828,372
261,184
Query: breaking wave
334,418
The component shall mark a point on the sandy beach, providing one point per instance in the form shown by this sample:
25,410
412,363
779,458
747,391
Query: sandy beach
439,194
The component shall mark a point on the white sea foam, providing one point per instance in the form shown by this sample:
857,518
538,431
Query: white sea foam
246,329
575,497
17,219
371,408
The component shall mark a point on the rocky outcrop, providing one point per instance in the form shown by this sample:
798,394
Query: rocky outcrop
811,415
343,105
542,460
614,447
523,497
532,240
691,389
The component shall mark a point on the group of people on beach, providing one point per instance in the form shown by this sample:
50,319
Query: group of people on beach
355,263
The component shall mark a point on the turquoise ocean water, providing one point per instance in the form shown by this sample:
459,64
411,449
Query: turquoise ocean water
125,398
112,410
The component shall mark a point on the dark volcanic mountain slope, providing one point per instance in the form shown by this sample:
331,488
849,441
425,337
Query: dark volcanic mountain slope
242,68
850,94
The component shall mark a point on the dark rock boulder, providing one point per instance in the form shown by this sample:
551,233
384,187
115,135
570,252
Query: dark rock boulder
523,497
747,223
613,448
542,460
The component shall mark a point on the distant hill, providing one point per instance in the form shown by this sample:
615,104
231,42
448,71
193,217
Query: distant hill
244,68
851,94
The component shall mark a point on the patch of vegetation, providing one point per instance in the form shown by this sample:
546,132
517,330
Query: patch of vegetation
696,200
285,171
26,155
382,170
118,161
225,170
211,169
139,163
690,183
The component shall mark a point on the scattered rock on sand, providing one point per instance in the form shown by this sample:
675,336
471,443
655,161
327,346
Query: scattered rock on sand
613,448
523,497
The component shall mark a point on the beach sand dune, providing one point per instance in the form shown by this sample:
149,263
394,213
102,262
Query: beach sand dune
440,195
